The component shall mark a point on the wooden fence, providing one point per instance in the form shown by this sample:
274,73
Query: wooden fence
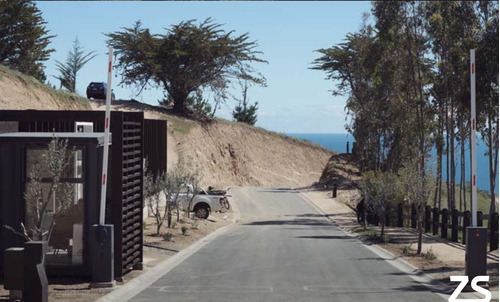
447,224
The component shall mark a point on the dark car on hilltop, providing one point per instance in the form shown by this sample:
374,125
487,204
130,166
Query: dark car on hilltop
97,91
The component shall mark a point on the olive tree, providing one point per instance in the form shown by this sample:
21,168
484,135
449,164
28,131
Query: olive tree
380,192
418,186
45,195
152,190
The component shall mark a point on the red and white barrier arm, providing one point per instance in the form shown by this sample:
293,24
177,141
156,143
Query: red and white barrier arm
107,125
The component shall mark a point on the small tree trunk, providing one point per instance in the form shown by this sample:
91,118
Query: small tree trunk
169,219
492,169
178,214
159,223
382,226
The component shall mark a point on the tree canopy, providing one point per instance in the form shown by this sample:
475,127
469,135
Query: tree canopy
24,40
406,80
187,58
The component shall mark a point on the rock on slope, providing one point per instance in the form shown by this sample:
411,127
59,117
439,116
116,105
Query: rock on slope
224,153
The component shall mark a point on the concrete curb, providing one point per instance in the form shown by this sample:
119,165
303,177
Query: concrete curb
436,286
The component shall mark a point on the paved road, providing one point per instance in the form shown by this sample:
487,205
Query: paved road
284,250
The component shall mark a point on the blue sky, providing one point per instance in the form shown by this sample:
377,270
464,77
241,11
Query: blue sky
296,99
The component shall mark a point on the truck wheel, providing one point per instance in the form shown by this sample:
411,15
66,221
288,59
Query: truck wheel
202,212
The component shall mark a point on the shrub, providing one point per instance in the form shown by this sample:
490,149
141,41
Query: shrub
429,255
194,225
174,224
407,249
184,230
168,236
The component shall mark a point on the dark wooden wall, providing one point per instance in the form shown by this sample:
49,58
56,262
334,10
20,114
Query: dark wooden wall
133,139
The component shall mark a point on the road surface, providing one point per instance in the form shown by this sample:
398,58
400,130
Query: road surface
283,249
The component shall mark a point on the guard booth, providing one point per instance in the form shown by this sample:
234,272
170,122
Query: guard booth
124,201
20,153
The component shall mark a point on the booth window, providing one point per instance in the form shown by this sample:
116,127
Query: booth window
62,221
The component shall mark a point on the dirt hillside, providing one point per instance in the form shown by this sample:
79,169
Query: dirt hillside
230,154
224,153
18,91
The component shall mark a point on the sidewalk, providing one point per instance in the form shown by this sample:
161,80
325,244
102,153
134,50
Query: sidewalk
450,256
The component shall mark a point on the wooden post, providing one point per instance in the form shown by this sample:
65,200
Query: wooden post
479,218
334,193
454,225
388,215
435,221
444,223
466,223
494,232
413,216
427,219
400,215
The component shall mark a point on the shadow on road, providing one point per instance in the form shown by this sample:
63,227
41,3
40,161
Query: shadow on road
325,237
291,222
375,258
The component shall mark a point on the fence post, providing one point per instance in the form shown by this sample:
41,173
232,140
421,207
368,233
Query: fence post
454,225
334,192
427,220
388,215
400,215
435,221
413,216
466,223
444,223
494,231
479,218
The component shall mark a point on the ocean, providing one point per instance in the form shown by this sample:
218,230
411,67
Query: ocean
337,142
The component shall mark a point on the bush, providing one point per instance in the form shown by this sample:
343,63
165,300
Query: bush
407,249
174,224
194,224
168,236
429,255
184,230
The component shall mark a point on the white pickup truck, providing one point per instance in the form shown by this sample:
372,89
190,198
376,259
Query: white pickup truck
203,202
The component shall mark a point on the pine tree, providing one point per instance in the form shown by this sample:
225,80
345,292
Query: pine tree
244,112
74,63
24,39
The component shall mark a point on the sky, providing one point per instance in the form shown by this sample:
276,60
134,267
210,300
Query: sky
296,99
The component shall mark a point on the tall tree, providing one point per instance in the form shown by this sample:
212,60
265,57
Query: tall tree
351,65
451,26
24,39
187,58
77,58
487,87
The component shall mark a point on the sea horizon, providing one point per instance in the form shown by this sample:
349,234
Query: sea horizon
338,142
